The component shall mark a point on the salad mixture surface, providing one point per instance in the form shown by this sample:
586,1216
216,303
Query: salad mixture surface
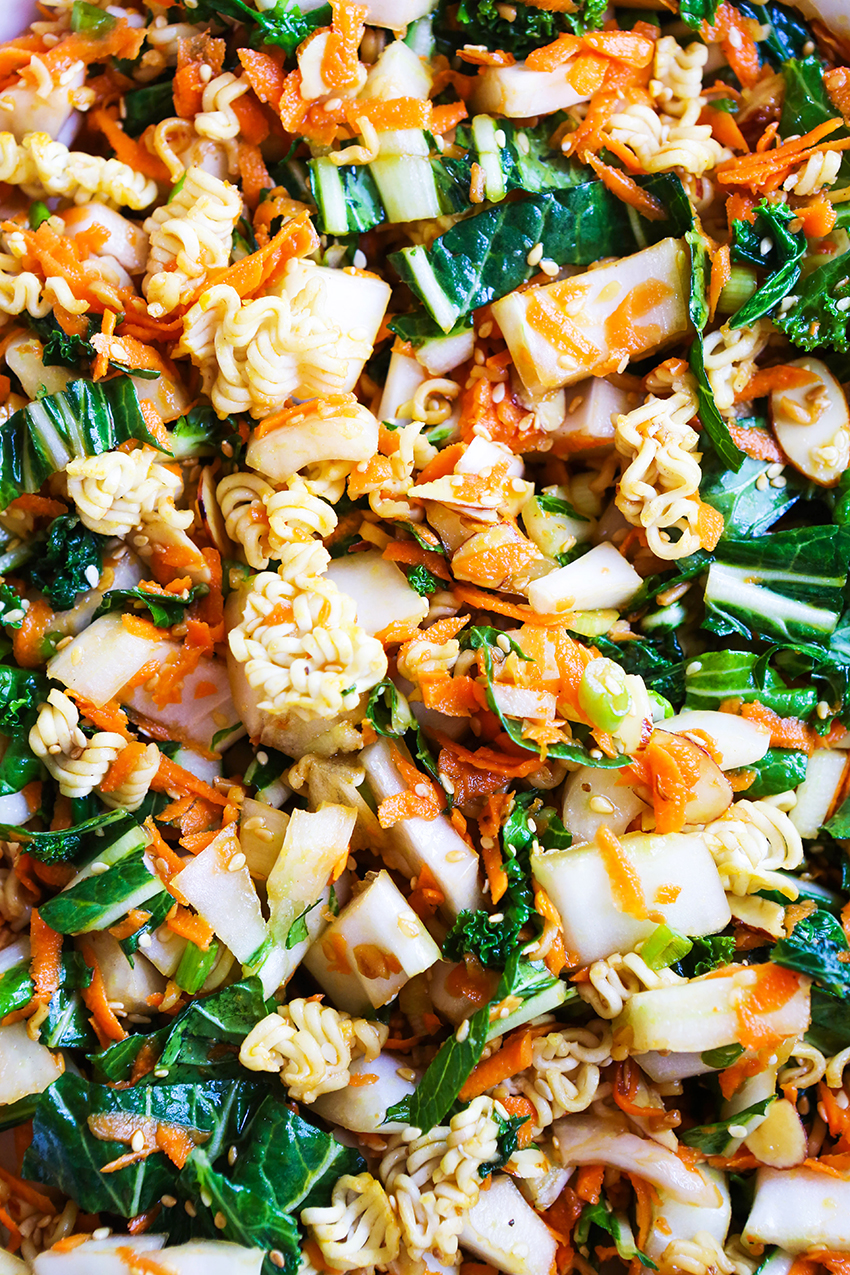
425,649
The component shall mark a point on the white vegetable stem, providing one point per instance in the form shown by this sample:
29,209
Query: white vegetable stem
372,948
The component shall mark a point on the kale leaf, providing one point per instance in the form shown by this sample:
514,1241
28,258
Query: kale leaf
707,954
165,609
819,318
423,581
69,562
782,260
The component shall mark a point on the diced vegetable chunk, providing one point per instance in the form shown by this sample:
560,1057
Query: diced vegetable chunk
26,1066
800,1210
373,947
502,1228
600,578
677,877
591,324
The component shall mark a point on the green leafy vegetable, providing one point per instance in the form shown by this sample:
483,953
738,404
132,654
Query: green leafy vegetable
695,12
165,609
779,770
65,844
485,256
444,1079
711,1139
148,105
712,422
816,947
422,580
819,319
785,586
555,505
12,612
201,433
507,1143
830,1026
283,1165
707,954
283,24
388,710
298,932
84,419
88,19
748,510
716,676
62,350
658,660
66,1154
614,1223
664,948
70,562
786,35
806,103
722,1057
782,260
98,901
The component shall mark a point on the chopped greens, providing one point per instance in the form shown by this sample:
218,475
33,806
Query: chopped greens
68,563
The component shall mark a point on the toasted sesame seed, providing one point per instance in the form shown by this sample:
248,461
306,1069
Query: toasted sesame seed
535,256
101,1233
236,863
219,1221
168,1201
189,1206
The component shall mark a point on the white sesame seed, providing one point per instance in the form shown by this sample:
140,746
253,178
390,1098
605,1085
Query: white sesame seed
822,710
206,1199
137,1142
238,861
766,246
101,1233
231,1156
693,668
92,574
738,1131
263,759
536,255
98,868
462,1032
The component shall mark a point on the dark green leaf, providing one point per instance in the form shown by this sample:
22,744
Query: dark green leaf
417,327
423,581
16,989
65,1154
785,586
806,103
712,422
817,319
815,947
60,846
62,350
712,1138
165,610
786,35
747,509
779,770
485,257
69,563
782,260
11,609
507,1142
148,105
88,19
387,710
91,904
716,676
554,505
830,1026
21,691
695,12
722,1057
283,1165
707,954
298,932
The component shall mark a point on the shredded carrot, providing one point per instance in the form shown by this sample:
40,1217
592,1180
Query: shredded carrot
126,148
46,961
725,129
253,172
513,1057
498,606
556,956
192,927
15,1236
262,268
710,525
171,776
588,1185
448,116
758,443
396,113
627,190
264,72
412,554
123,766
40,506
780,377
340,64
626,887
108,716
776,986
422,799
818,216
27,641
133,921
427,896
27,1192
785,732
735,36
496,875
721,270
768,169
103,1020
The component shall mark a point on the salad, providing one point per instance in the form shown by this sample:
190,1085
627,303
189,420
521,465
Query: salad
425,648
